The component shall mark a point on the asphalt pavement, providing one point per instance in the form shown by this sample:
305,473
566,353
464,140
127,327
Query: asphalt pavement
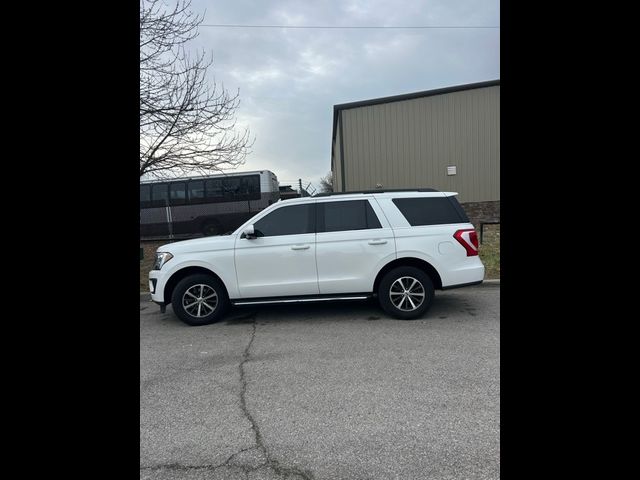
323,391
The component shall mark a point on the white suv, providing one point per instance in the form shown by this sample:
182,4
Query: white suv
396,245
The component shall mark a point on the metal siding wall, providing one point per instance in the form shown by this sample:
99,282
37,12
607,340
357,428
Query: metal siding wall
348,141
338,160
353,161
410,143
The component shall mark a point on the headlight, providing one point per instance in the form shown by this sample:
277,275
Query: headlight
161,259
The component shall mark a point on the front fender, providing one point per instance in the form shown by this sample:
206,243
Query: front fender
224,268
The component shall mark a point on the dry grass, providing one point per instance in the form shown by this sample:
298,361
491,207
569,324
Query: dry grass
490,251
489,254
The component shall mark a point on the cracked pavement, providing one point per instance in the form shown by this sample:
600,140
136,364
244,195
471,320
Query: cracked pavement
323,391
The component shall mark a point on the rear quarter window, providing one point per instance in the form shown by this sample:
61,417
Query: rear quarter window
431,210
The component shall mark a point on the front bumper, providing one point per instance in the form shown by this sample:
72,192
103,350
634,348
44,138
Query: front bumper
152,285
156,286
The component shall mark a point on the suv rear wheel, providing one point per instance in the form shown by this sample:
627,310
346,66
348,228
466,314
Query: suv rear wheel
405,293
199,299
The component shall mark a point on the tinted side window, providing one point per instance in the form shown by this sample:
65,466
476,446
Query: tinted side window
231,187
347,215
253,183
159,195
372,218
291,220
429,210
214,189
196,191
145,196
250,187
178,193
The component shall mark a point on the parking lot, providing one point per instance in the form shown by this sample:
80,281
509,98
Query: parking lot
323,391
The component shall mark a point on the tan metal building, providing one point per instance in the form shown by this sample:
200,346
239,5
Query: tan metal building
448,139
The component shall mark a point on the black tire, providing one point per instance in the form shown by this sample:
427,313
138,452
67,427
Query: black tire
203,286
400,279
211,228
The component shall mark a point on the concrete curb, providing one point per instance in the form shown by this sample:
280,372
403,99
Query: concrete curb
145,296
495,281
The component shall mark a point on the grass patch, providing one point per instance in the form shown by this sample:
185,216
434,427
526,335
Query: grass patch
490,251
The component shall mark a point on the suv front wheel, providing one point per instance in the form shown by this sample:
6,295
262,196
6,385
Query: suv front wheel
199,299
405,293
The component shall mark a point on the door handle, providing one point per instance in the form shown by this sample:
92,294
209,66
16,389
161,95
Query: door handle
377,242
300,247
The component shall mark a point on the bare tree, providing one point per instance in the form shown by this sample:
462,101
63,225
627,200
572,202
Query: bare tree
326,183
186,124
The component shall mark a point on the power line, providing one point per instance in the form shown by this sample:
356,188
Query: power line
407,27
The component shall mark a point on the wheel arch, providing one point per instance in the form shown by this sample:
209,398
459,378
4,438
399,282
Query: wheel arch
409,262
185,272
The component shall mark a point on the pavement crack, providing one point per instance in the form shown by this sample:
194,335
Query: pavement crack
268,461
271,463
226,462
180,467
243,391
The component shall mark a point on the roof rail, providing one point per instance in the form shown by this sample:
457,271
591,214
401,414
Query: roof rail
330,194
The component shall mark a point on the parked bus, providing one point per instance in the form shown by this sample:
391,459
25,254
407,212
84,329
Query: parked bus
207,205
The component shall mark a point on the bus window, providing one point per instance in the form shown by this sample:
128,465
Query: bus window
251,187
226,199
254,184
214,188
196,191
145,196
231,188
159,195
178,193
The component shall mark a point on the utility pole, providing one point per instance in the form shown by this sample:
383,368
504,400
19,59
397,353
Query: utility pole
300,185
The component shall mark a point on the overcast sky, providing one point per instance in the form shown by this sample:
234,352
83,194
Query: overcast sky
289,79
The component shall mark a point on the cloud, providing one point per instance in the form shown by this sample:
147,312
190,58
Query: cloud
289,79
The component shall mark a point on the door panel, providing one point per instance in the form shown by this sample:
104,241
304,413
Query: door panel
281,261
277,266
349,260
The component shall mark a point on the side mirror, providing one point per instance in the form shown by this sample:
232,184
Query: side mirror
248,233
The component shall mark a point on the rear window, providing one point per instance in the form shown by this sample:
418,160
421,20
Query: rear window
431,210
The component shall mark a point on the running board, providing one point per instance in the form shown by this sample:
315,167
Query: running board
259,301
